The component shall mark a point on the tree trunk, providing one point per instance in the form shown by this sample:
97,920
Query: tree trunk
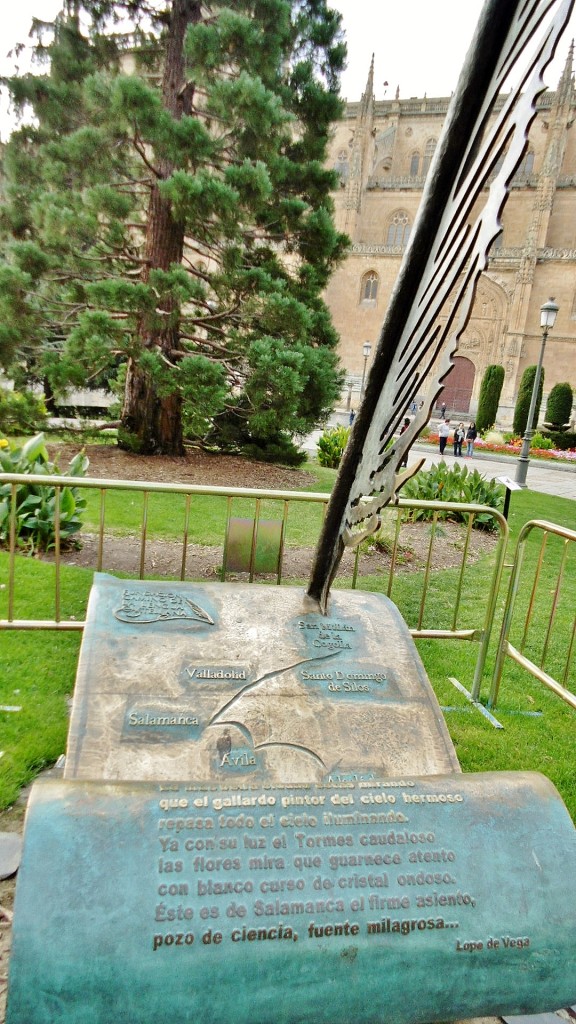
155,422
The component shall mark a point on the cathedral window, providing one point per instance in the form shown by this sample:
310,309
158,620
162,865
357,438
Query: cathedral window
369,288
398,229
414,165
341,165
428,154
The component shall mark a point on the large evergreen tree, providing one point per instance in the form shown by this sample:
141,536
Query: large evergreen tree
176,221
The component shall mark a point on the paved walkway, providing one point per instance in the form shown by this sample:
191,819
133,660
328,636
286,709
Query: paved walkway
557,478
547,477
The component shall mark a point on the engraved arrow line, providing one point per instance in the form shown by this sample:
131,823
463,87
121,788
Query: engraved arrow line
270,743
262,679
293,746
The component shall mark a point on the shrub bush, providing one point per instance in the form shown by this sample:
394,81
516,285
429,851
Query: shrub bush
559,405
458,484
522,407
542,442
20,411
35,504
489,399
563,440
331,446
282,451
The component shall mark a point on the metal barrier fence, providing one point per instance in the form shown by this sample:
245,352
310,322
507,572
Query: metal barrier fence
549,608
428,616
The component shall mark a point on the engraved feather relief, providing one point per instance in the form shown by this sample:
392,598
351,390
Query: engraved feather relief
479,151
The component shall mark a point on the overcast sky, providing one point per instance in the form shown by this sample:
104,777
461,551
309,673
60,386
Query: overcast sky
419,45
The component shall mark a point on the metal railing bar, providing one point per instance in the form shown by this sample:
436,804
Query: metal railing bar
12,555
147,488
445,634
394,553
101,526
427,570
226,536
489,616
173,488
555,600
544,678
463,561
532,600
282,539
571,648
505,648
57,499
143,534
63,624
255,524
187,506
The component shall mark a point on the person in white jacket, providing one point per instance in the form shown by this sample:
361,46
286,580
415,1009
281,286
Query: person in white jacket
443,434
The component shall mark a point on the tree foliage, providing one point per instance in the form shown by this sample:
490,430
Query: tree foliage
176,220
559,404
489,399
522,407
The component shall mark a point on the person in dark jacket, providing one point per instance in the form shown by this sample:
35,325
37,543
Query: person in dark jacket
459,435
471,435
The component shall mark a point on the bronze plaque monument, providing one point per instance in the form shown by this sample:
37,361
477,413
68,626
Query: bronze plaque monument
234,681
263,820
412,899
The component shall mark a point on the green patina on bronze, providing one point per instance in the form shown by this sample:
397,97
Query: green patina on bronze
197,681
402,900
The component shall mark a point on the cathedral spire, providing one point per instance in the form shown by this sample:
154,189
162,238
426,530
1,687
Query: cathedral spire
565,85
368,94
359,157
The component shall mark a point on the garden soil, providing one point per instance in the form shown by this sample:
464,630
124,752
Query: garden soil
163,558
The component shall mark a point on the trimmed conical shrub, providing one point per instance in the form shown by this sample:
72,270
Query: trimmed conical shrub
522,407
489,400
559,405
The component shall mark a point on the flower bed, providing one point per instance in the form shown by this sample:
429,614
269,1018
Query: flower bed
551,455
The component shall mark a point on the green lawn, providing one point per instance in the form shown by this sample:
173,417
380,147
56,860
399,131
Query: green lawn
37,669
166,513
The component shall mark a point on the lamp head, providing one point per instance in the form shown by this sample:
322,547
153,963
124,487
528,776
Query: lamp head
548,314
366,349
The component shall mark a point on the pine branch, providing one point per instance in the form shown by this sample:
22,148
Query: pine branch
140,149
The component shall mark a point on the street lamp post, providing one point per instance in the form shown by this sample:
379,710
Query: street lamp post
366,350
547,319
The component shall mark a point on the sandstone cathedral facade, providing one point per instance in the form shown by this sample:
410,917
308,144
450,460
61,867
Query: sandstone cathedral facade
382,150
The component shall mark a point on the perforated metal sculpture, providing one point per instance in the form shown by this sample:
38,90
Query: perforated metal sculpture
480,149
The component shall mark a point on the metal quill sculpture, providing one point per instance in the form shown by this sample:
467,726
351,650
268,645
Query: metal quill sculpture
446,254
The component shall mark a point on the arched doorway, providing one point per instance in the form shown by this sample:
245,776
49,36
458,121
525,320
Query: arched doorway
458,385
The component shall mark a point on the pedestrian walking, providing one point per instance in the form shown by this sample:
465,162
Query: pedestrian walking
443,410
